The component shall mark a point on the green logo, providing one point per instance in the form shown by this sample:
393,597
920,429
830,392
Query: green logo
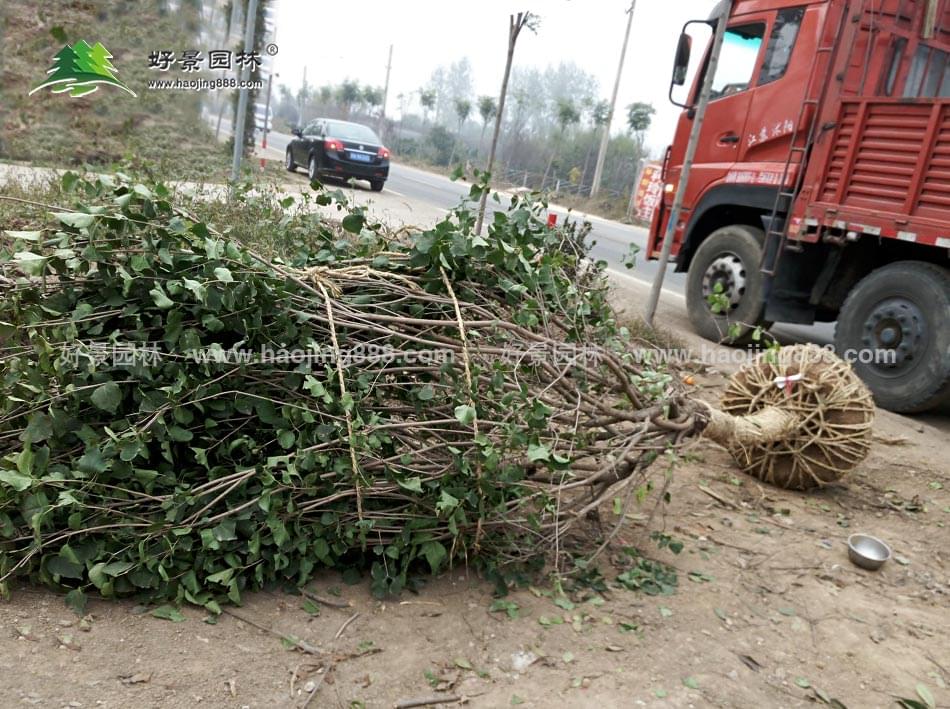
80,69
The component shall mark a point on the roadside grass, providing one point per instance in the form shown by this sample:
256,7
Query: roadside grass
652,335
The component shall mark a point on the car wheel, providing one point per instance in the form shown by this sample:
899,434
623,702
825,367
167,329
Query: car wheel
726,266
312,168
289,161
376,185
899,318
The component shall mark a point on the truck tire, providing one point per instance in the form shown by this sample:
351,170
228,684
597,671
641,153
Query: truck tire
904,309
729,256
289,163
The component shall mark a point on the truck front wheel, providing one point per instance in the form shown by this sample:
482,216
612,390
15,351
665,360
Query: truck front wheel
724,287
894,327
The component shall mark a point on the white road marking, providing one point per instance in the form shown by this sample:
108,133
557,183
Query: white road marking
645,283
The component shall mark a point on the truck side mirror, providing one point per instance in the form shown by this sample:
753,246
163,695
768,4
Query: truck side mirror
681,64
297,132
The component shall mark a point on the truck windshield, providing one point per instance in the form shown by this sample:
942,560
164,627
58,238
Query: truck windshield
739,58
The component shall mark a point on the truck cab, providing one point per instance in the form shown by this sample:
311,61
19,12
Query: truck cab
820,186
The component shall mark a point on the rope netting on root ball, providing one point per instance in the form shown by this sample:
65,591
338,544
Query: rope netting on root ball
797,418
185,419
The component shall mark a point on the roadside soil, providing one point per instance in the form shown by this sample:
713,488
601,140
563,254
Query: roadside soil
768,612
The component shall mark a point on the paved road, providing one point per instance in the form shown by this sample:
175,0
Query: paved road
612,238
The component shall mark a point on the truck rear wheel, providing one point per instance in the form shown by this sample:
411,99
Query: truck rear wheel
726,266
894,327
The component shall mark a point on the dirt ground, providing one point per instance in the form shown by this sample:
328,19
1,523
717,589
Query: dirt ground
769,612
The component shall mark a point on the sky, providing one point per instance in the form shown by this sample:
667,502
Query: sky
336,41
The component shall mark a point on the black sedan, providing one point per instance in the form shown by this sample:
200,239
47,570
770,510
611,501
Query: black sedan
339,149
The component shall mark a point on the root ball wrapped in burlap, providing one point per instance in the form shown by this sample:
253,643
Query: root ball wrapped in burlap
806,418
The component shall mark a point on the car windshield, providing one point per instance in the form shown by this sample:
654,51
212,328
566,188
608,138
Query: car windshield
351,131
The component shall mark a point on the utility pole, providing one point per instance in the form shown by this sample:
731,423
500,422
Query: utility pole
700,114
249,22
605,138
382,113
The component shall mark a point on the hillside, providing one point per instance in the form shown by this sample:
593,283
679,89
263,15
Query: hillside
159,131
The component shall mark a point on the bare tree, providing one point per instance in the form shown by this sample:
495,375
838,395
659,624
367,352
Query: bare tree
515,25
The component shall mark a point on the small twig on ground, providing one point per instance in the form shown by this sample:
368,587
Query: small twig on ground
323,600
426,701
293,679
316,687
345,624
297,642
890,440
719,498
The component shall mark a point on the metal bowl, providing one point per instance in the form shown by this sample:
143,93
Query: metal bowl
867,552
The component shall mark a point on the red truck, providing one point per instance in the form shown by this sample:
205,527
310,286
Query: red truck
820,190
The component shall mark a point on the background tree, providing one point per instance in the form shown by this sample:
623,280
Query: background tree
348,93
487,109
463,108
639,118
372,98
567,115
427,101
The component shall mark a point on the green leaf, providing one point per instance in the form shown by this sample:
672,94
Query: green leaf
167,612
223,274
434,553
29,263
161,300
38,429
310,607
64,567
802,682
537,452
24,235
59,34
690,682
462,663
413,484
117,568
353,223
426,393
15,480
179,434
286,439
92,462
465,414
76,601
924,693
107,397
77,220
